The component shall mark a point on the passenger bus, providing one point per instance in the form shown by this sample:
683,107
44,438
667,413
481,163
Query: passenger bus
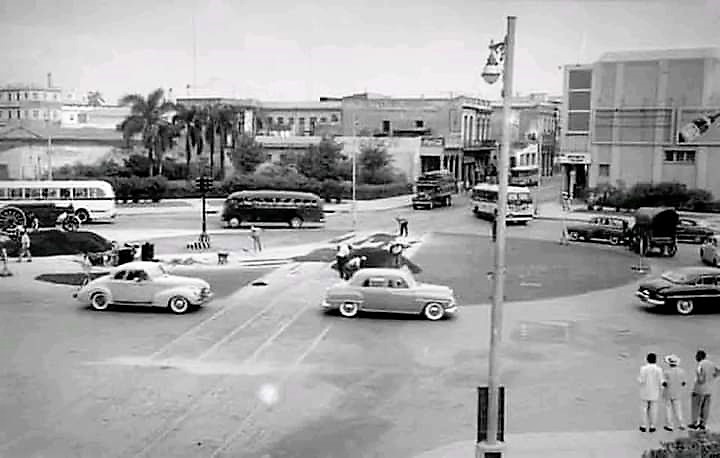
525,175
92,200
292,208
520,203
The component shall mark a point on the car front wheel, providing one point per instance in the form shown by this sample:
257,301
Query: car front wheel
99,301
574,235
684,306
434,311
614,240
179,305
349,309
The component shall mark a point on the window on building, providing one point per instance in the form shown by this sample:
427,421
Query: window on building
17,96
419,124
680,157
291,121
313,121
604,170
269,121
386,126
579,100
82,118
301,121
323,119
334,118
580,79
578,121
280,120
36,114
9,114
27,96
72,117
35,96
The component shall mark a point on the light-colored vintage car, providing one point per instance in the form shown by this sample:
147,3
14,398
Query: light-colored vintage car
146,284
389,290
709,251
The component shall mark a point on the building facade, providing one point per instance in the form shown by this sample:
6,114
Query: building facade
323,118
622,116
30,105
534,130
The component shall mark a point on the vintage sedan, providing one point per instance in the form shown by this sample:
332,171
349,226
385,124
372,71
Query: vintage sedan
145,284
709,252
683,289
690,230
389,290
611,229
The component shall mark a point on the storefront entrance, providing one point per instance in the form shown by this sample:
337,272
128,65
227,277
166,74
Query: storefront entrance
574,168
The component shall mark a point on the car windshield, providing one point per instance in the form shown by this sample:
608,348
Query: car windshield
676,277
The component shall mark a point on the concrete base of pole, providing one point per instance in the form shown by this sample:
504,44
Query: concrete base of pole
485,450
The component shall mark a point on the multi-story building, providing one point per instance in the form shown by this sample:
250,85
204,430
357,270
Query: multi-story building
30,104
454,131
533,130
323,118
621,116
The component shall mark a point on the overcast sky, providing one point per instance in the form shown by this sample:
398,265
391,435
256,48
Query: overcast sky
301,50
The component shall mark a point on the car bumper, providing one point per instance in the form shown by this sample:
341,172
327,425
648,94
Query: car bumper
204,299
327,305
451,309
645,298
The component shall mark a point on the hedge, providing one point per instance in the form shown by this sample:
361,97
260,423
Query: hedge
702,444
674,195
134,189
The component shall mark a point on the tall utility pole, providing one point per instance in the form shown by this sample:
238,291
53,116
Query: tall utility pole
355,150
492,447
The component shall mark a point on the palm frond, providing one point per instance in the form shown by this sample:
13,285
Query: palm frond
155,99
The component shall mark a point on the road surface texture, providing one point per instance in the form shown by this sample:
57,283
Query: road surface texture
262,372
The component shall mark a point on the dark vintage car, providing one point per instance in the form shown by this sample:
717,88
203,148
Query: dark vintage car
655,229
682,289
690,230
606,228
33,216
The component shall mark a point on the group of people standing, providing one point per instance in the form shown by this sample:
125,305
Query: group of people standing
667,384
346,263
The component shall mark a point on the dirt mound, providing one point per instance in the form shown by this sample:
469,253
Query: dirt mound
55,243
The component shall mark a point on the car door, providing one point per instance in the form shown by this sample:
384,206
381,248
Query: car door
706,289
400,297
374,290
138,288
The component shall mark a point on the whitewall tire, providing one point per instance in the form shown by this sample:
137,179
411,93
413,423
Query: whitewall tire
99,301
684,306
349,309
434,311
179,305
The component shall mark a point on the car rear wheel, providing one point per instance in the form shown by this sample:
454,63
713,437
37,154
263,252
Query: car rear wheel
349,309
615,240
99,301
296,222
684,306
179,305
671,250
574,236
434,311
83,215
234,222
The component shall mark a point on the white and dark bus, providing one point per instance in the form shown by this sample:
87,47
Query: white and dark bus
93,200
293,208
520,207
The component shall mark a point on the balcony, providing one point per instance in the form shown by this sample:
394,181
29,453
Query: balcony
476,145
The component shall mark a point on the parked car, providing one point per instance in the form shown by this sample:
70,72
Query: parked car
709,251
655,228
389,290
606,228
682,289
146,284
690,230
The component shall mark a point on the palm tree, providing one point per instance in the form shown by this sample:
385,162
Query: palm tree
227,124
146,117
95,99
188,119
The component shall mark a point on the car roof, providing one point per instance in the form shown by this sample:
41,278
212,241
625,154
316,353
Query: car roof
697,270
380,271
137,265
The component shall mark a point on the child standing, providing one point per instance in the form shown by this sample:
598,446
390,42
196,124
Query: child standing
674,380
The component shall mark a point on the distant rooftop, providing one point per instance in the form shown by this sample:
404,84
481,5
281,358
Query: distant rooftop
58,133
28,87
657,54
303,105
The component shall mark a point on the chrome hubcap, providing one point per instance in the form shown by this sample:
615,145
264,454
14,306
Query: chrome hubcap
684,306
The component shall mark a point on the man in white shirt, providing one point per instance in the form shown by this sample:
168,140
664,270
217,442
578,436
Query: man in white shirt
650,379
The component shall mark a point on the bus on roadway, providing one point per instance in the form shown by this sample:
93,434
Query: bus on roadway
520,207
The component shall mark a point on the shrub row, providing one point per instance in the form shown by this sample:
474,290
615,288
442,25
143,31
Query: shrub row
696,445
648,195
134,189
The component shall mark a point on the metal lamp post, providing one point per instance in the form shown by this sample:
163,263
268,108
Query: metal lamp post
355,151
491,447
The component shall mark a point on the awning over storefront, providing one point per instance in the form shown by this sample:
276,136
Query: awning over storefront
572,158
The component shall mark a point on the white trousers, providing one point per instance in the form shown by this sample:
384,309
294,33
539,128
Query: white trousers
673,413
649,413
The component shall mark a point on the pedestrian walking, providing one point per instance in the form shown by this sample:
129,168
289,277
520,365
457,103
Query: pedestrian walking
255,236
403,223
650,379
24,246
341,258
674,381
705,374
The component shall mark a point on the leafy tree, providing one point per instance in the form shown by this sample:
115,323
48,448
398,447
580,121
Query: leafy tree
138,165
146,118
95,99
187,119
375,165
321,161
247,155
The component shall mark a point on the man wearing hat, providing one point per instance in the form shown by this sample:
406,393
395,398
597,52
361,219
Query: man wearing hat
673,381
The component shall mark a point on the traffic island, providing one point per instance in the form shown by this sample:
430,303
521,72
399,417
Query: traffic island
58,243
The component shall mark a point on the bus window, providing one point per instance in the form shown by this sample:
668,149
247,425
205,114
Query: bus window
16,193
81,193
297,202
66,193
96,193
33,193
51,193
306,202
3,193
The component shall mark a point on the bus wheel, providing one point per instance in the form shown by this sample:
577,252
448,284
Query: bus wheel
234,222
83,215
296,222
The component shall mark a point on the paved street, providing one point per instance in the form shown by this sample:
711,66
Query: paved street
261,372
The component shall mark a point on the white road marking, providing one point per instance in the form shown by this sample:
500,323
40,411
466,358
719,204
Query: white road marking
277,334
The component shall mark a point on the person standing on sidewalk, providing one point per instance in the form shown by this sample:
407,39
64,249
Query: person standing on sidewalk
403,223
650,379
24,246
673,382
255,236
341,258
705,374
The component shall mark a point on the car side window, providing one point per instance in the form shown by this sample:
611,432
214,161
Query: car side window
706,280
375,282
137,274
397,283
120,275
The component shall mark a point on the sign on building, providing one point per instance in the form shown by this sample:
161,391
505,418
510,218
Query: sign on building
572,158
